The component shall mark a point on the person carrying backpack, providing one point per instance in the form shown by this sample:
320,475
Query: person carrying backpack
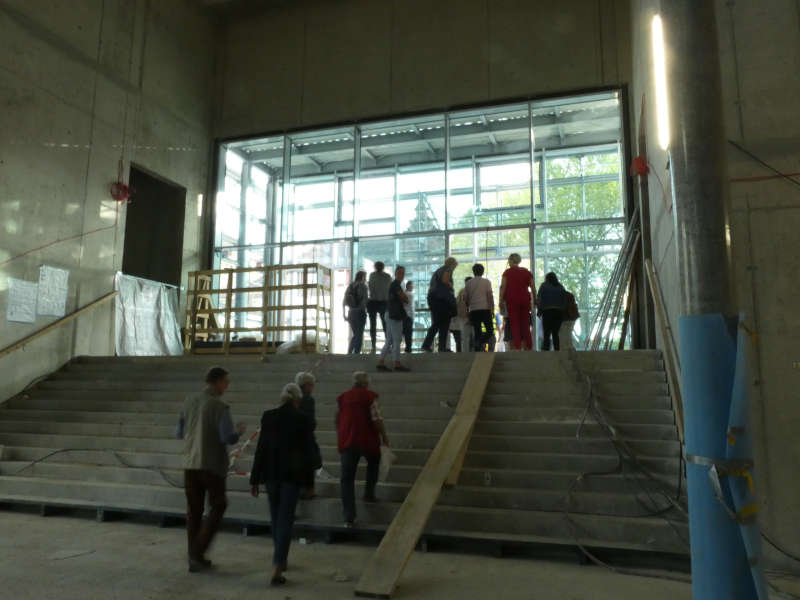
354,308
552,303
442,302
571,316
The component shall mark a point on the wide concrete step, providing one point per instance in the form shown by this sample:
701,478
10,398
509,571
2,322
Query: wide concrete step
325,394
160,452
233,397
626,480
163,424
259,373
589,502
574,387
506,417
404,435
628,359
656,534
432,428
576,401
589,430
528,414
553,461
400,383
532,374
233,361
433,410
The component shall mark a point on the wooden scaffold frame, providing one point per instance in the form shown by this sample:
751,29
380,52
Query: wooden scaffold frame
214,327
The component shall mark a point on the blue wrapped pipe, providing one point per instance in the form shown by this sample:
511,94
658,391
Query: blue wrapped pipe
720,567
740,450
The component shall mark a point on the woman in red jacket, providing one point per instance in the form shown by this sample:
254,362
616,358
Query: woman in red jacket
515,295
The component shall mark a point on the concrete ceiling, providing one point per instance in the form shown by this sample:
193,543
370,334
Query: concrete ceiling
237,8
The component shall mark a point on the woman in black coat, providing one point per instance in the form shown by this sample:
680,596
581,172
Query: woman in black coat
305,381
281,463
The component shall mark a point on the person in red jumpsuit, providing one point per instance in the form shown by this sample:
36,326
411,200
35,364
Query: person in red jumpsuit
515,295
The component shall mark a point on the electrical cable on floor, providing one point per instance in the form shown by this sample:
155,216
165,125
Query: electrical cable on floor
624,455
624,452
779,548
782,593
114,453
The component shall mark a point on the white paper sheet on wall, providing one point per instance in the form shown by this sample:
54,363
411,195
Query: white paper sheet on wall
21,307
53,287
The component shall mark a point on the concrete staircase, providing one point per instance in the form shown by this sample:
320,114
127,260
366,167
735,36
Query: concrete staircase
117,417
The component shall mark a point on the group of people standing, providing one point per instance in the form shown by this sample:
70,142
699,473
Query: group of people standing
286,459
470,315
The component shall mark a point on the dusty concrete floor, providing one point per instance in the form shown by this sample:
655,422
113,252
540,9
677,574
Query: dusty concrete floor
74,557
69,557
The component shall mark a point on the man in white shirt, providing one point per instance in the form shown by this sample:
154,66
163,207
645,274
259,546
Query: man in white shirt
480,305
460,325
378,284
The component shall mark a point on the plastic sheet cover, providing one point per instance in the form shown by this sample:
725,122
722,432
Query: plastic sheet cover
146,318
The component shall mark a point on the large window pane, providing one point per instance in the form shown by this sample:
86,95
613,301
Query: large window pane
583,257
246,203
318,204
490,154
603,200
337,257
491,249
576,122
583,185
564,202
256,207
402,176
377,204
420,199
420,255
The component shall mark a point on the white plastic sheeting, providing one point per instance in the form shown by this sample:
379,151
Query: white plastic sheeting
147,323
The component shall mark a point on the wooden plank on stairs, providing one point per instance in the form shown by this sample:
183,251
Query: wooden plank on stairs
384,569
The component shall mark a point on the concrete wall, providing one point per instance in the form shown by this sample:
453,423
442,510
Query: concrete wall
78,80
760,58
315,62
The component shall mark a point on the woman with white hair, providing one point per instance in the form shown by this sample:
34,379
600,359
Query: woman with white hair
305,380
281,462
515,297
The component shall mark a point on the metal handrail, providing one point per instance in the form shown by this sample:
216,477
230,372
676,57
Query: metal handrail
56,324
672,362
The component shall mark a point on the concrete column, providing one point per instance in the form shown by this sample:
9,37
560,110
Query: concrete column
726,561
697,156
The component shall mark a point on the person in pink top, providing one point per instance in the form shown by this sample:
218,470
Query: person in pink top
515,295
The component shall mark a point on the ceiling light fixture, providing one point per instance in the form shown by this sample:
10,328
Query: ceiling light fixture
660,77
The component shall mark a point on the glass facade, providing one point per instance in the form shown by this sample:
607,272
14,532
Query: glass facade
540,178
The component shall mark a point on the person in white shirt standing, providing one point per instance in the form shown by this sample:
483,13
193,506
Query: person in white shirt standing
480,305
378,284
460,325
408,322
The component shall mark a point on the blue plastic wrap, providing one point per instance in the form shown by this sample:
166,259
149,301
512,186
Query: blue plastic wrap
720,568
